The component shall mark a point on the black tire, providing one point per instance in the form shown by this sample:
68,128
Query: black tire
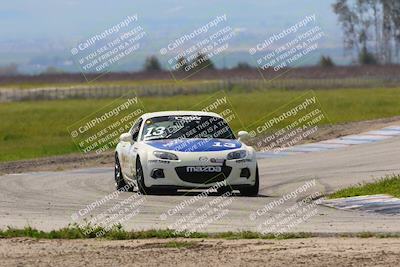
165,192
224,189
252,191
140,180
120,183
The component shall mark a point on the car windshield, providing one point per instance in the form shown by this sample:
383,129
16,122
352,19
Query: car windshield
186,126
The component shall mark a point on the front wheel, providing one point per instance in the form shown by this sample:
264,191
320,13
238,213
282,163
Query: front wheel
120,183
252,191
140,179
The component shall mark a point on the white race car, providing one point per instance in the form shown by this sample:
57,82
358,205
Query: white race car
167,151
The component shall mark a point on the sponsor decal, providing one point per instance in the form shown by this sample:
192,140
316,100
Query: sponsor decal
187,118
159,161
203,169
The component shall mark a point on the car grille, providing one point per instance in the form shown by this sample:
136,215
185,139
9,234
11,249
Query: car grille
203,177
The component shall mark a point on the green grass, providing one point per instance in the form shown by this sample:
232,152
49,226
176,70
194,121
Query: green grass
34,129
389,185
75,232
118,233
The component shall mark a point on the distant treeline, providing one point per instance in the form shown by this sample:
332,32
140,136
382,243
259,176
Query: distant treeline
338,72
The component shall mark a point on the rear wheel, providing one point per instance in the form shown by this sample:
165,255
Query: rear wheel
120,183
252,191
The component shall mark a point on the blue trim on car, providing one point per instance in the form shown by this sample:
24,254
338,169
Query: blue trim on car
195,145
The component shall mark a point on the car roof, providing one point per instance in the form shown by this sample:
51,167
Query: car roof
178,113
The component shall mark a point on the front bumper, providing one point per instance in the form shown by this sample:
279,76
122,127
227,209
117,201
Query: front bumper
176,175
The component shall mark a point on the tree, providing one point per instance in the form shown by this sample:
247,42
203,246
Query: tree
243,66
370,28
11,69
53,70
152,64
366,58
326,61
202,62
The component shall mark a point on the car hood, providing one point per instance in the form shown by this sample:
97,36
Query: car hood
195,145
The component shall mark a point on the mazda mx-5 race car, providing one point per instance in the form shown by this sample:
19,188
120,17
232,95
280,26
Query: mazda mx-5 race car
167,151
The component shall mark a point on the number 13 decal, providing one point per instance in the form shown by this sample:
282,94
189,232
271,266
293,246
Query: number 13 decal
220,144
155,131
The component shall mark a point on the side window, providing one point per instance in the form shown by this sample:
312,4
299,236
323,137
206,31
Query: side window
135,129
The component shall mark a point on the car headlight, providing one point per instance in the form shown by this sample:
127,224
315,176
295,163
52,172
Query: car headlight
165,155
237,154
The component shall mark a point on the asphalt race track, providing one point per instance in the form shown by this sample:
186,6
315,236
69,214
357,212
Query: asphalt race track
46,200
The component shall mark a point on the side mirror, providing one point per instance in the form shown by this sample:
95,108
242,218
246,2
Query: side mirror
126,137
243,135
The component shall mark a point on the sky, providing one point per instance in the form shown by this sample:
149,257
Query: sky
39,30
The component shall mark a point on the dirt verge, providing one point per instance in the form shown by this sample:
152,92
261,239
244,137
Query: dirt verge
196,252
